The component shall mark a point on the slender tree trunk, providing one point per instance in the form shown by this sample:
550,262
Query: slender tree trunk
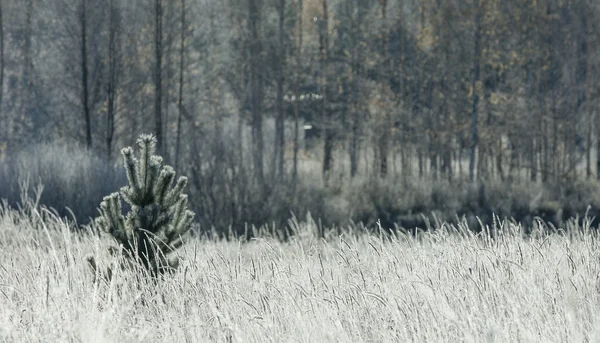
325,113
533,160
459,160
353,120
2,115
597,153
181,83
354,72
519,164
384,139
544,156
158,87
256,84
411,100
240,138
405,166
85,76
588,103
168,75
241,116
354,143
500,159
113,75
476,72
513,157
297,92
447,161
550,162
481,161
588,143
26,99
327,129
433,158
279,125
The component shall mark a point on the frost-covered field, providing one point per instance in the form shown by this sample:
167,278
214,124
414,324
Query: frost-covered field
443,287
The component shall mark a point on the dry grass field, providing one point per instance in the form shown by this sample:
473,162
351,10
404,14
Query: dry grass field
445,286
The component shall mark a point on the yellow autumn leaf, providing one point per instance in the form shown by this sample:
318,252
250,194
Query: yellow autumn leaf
494,100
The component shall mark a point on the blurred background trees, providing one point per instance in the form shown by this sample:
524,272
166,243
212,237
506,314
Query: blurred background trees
260,100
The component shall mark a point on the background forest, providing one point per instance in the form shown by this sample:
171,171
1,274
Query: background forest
351,110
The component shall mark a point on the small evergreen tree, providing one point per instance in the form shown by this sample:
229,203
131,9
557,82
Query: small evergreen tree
159,216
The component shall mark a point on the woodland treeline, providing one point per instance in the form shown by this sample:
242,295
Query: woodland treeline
261,100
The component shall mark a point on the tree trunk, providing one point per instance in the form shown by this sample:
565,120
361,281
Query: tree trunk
85,76
597,153
181,83
113,75
297,92
459,160
500,159
169,75
27,78
481,161
327,125
2,116
588,102
384,139
513,160
354,144
401,138
588,143
256,84
545,159
447,161
476,72
279,124
533,160
421,163
433,158
158,125
405,164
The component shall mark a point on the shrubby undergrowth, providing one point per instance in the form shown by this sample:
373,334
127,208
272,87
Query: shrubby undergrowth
70,177
227,198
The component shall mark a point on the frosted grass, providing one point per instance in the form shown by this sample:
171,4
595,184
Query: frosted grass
445,286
